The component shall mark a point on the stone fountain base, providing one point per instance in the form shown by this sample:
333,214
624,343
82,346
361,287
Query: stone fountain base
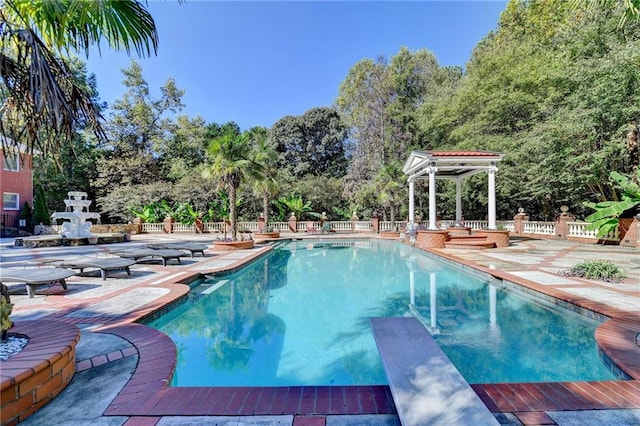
58,240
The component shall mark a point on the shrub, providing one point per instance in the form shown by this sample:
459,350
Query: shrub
598,270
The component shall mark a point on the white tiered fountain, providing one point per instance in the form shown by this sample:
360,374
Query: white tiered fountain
77,212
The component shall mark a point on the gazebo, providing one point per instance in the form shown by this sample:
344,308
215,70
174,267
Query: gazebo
455,165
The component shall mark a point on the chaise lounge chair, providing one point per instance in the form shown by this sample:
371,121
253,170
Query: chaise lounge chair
104,264
192,248
33,278
163,254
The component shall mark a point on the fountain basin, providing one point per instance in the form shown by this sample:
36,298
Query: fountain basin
59,240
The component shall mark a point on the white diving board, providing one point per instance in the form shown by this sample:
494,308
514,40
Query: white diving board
427,388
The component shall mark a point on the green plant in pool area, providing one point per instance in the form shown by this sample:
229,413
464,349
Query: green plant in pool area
606,217
5,310
598,270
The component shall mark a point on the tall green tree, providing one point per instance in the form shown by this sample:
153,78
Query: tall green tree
184,148
381,101
231,161
42,102
558,94
390,187
313,143
266,156
139,125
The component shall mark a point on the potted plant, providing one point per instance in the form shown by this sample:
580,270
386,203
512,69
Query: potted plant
268,232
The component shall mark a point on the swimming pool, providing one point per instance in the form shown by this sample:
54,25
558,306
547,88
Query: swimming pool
300,316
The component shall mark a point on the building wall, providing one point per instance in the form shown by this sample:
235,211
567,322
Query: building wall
19,182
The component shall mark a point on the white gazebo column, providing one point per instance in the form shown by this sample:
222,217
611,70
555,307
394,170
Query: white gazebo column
412,210
433,303
412,281
493,317
458,201
492,195
432,195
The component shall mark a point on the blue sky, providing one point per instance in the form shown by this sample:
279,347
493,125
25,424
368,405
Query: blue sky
256,62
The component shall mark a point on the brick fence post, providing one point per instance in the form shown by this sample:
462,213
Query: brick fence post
632,236
562,227
168,225
375,224
293,223
138,225
518,221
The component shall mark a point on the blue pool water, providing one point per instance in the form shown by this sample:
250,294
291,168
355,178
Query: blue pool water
300,316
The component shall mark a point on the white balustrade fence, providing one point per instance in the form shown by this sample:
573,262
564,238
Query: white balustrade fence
509,225
544,228
181,227
476,224
341,226
575,229
579,230
386,226
362,226
153,227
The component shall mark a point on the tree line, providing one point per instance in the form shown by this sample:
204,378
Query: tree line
555,87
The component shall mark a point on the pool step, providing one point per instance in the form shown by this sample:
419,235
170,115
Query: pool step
427,388
469,242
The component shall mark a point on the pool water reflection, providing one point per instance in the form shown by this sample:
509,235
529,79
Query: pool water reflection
300,316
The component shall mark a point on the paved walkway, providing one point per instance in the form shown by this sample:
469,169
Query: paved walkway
112,354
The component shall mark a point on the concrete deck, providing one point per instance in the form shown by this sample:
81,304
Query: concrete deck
121,365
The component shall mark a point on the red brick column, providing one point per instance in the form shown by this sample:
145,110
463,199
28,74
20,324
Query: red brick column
138,223
293,223
518,221
199,226
168,225
632,237
562,227
431,238
375,224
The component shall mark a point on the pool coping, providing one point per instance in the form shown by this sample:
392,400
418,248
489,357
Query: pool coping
147,393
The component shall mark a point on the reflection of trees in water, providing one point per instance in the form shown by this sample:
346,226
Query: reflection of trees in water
359,366
232,352
234,317
276,268
541,341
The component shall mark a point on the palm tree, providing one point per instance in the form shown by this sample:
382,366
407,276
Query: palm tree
266,156
41,102
296,205
232,163
390,184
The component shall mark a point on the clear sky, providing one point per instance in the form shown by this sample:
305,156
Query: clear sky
256,62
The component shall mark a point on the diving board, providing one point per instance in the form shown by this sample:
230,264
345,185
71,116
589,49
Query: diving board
427,388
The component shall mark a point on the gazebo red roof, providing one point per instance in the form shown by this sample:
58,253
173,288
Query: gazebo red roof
450,164
463,153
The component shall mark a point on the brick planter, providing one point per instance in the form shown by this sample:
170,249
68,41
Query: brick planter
266,235
38,373
497,236
232,245
431,238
